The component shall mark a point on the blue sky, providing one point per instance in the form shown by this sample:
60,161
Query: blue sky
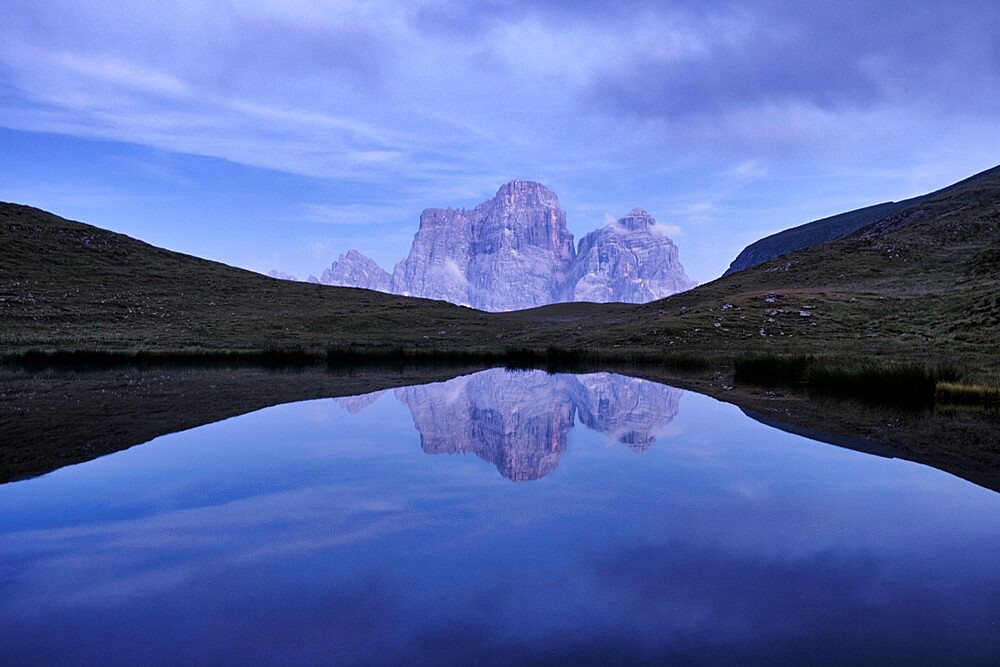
278,134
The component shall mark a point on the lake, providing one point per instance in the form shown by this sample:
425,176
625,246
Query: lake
498,517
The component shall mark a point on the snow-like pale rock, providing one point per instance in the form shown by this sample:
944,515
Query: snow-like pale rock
514,251
356,270
510,252
630,260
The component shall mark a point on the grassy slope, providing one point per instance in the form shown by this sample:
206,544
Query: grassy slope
69,285
834,227
811,233
923,285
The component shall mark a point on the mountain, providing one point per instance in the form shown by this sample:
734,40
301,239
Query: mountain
70,285
811,233
629,261
514,251
508,253
356,270
834,227
920,285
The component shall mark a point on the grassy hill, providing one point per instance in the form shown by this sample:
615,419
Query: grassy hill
811,233
918,285
921,284
68,285
828,229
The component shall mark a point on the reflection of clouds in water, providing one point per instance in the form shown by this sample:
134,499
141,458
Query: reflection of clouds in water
676,601
409,563
716,600
519,421
296,522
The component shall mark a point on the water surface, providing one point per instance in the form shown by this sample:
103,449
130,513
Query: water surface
498,517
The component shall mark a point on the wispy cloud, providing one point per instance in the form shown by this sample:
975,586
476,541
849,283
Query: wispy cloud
436,103
351,214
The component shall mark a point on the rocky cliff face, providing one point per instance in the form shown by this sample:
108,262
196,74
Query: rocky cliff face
356,270
630,260
510,252
519,422
514,251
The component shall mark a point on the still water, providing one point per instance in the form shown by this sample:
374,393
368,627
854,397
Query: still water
496,518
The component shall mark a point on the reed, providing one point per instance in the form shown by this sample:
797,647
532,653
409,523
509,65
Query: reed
860,379
956,393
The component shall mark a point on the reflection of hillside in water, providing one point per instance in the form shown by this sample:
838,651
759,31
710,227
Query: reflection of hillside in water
519,420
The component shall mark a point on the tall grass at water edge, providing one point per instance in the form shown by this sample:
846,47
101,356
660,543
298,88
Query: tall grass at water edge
865,380
552,359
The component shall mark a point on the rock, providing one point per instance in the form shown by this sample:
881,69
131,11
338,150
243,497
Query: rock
280,275
514,251
356,270
630,260
510,252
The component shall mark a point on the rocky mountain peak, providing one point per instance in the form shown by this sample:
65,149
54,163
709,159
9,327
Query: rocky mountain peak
525,193
627,261
356,270
510,252
637,219
514,251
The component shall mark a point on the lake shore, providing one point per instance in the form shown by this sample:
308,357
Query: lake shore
104,411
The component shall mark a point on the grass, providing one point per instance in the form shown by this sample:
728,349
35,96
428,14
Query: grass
887,383
551,358
771,369
35,359
920,294
956,393
875,382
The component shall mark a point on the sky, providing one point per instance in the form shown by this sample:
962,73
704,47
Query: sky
278,134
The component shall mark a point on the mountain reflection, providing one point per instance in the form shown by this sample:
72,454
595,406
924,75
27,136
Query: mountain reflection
519,421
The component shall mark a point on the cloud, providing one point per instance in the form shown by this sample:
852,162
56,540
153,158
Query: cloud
773,70
435,102
748,169
670,231
319,250
447,92
351,214
453,273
